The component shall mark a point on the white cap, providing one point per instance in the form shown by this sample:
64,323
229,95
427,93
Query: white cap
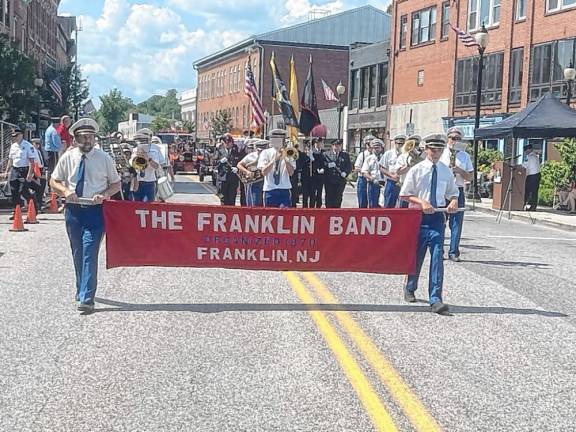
85,126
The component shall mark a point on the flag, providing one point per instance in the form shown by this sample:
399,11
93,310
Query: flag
89,107
282,96
465,37
309,116
328,93
293,131
56,89
255,102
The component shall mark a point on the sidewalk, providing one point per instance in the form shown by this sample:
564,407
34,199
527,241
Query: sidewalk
544,215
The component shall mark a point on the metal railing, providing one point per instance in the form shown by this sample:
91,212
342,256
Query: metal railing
5,143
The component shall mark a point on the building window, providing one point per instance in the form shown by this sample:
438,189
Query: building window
354,87
445,20
373,86
520,9
423,26
364,87
382,84
467,78
485,12
556,5
547,67
516,64
403,30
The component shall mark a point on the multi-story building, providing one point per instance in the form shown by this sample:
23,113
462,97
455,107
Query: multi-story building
434,75
135,122
187,102
326,40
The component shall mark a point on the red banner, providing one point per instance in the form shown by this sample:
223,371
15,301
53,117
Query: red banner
186,235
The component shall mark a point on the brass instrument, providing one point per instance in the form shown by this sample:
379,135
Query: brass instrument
290,153
414,156
139,163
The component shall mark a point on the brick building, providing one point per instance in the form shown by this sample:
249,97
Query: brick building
433,74
221,75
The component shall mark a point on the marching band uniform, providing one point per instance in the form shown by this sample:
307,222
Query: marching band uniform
318,169
456,150
338,166
85,172
371,173
388,162
402,167
146,178
20,167
228,157
430,183
361,184
277,171
253,189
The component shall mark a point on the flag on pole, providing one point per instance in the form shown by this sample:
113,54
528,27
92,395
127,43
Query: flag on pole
56,89
282,96
255,102
465,37
328,93
309,116
89,107
294,100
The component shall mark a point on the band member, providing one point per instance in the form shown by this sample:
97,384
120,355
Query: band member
532,165
145,160
88,173
20,168
277,170
428,186
338,166
361,184
388,163
318,169
248,169
410,156
458,160
228,156
372,173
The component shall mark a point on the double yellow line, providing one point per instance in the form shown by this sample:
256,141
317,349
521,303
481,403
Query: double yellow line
400,392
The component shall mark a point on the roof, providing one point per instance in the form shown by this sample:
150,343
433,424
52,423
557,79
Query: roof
364,24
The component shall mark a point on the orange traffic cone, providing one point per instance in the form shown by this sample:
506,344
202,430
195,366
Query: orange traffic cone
31,216
17,225
53,209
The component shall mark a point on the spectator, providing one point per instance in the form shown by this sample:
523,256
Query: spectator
568,198
62,130
53,146
38,183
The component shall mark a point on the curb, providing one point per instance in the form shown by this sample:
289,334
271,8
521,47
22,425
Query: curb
526,219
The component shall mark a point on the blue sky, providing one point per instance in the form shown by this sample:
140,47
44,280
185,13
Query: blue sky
145,47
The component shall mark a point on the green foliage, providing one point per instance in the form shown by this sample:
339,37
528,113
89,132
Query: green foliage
486,157
554,174
188,126
162,106
114,109
221,123
567,150
17,92
75,91
160,124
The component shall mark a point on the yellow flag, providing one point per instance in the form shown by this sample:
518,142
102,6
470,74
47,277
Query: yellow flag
294,100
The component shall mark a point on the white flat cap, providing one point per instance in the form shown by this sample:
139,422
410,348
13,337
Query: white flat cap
435,140
85,126
400,137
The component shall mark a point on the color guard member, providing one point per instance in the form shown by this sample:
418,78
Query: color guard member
428,186
388,162
338,166
228,157
318,169
361,184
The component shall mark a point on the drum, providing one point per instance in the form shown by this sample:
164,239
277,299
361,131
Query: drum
165,189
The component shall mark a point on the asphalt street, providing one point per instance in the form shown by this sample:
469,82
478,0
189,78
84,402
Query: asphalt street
229,350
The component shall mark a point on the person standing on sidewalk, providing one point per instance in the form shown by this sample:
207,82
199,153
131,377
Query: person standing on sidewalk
20,168
53,146
90,174
532,165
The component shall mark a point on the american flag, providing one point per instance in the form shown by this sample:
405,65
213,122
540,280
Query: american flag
328,93
255,102
55,86
465,37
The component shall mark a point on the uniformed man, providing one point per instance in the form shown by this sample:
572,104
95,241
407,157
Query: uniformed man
532,165
20,168
361,184
388,163
301,180
458,160
248,168
428,186
305,163
338,166
372,173
228,156
277,170
318,169
147,178
89,174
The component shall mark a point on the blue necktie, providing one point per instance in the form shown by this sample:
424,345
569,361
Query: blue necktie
434,186
277,173
80,177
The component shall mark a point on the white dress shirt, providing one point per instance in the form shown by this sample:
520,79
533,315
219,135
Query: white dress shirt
359,162
100,171
372,167
532,164
418,183
21,154
388,161
154,154
463,161
267,156
250,161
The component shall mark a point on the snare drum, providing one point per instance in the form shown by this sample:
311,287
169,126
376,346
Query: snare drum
165,189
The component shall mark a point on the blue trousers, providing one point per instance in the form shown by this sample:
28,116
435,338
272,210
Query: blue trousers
146,192
391,194
254,194
455,223
431,237
277,198
85,227
373,195
362,192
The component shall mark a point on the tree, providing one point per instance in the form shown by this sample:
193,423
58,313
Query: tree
114,109
160,124
17,94
75,91
221,123
162,106
188,126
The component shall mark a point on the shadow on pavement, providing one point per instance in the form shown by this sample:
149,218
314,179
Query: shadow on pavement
509,263
288,307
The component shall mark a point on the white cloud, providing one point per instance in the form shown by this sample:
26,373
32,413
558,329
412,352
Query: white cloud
93,69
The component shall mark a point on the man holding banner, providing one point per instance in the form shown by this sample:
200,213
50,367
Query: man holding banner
428,186
277,170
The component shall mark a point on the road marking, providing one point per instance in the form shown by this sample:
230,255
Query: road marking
366,393
531,238
400,391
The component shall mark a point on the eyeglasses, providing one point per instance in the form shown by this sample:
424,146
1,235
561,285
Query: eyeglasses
454,137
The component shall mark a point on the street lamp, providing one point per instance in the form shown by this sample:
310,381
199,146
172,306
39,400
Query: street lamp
340,89
482,41
38,83
569,75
